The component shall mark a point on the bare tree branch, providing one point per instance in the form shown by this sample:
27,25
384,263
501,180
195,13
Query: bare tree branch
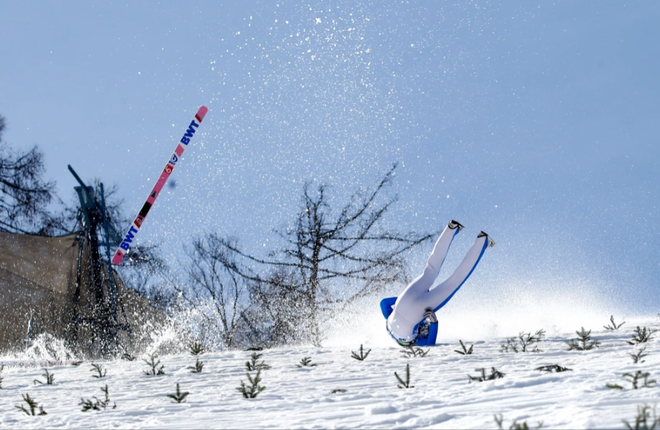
327,261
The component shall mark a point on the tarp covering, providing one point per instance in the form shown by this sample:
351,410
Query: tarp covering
38,276
56,282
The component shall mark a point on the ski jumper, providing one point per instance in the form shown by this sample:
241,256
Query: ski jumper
406,313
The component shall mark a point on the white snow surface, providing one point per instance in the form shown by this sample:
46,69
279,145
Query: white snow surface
296,397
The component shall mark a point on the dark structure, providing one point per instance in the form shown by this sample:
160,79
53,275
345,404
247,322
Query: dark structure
65,286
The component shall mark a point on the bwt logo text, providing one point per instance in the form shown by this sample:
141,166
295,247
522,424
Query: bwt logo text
126,243
189,133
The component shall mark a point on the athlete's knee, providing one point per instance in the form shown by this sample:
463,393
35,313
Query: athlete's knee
431,271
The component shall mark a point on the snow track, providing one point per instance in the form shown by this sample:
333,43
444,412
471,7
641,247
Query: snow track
302,397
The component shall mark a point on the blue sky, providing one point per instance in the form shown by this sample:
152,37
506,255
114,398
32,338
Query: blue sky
536,121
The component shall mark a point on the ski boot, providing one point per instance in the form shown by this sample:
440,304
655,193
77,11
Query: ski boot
454,225
491,242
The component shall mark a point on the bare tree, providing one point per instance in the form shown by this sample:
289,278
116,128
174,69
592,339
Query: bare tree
24,195
328,260
216,294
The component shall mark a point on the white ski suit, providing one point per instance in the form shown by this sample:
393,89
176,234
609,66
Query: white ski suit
418,296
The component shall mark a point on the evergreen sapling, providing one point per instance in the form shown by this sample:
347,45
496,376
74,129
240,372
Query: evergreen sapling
637,357
465,351
197,368
638,380
253,390
361,356
178,397
100,371
196,348
406,383
96,404
255,364
515,425
494,374
32,405
583,342
613,325
2,367
525,342
128,357
644,419
411,351
553,368
50,378
642,335
306,362
156,367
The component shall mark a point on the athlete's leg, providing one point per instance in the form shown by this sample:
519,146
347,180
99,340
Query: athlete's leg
440,295
407,312
441,247
423,282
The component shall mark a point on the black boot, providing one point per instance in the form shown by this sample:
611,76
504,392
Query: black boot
491,242
454,225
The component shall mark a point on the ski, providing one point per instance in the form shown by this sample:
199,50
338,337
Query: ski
176,155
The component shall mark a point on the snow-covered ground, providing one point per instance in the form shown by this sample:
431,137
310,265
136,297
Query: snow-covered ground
296,397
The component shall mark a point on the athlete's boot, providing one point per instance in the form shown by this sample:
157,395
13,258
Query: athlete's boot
491,242
454,225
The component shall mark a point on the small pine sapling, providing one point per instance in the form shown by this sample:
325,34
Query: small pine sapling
525,342
406,383
99,369
412,351
613,325
156,367
553,368
255,364
32,405
465,351
178,397
252,391
642,335
96,404
637,357
197,368
2,367
644,419
494,374
196,348
639,379
128,357
361,356
515,425
306,362
583,342
49,377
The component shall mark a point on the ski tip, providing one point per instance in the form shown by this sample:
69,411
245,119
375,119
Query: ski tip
119,256
201,113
